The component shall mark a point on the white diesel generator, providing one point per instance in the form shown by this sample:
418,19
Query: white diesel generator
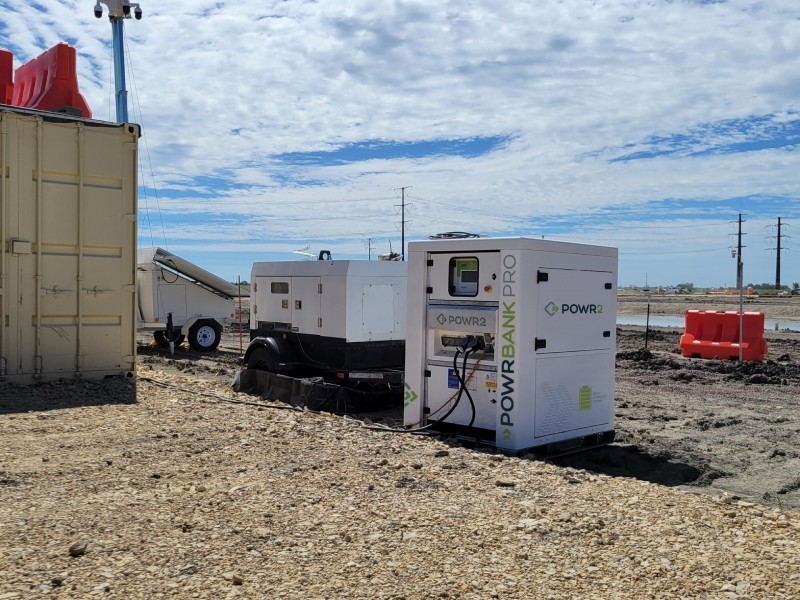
512,341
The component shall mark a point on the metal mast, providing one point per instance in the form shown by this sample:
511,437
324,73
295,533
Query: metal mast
118,11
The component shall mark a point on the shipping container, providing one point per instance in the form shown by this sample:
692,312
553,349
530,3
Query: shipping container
67,246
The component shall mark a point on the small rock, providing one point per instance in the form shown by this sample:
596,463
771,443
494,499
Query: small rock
78,548
57,581
505,483
188,570
234,578
441,453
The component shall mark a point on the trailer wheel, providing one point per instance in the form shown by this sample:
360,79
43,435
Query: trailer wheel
162,340
205,335
262,360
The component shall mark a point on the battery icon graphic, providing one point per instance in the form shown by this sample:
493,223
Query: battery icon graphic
585,398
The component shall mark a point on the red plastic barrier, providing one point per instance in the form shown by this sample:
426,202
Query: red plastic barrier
50,82
6,76
713,334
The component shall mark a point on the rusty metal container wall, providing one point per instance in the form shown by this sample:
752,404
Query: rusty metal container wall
68,247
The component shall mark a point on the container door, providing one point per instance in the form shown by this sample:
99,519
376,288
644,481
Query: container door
306,305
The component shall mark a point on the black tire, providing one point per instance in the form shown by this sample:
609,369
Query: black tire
261,359
162,340
205,335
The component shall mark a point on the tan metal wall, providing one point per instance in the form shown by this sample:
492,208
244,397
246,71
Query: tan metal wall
67,247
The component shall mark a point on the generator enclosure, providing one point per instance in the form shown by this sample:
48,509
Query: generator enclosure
539,318
67,246
168,284
338,314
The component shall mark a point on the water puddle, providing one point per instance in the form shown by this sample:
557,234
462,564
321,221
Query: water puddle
669,321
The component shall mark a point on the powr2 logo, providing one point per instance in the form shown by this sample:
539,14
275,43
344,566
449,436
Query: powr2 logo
552,309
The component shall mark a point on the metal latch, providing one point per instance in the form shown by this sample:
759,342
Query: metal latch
55,291
95,290
539,344
542,276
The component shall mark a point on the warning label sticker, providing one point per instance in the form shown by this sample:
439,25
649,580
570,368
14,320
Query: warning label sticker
491,381
452,381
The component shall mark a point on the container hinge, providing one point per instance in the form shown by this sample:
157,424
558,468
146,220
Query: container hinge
426,410
430,262
539,344
319,322
319,288
609,286
542,276
255,287
255,309
606,334
129,288
427,373
429,290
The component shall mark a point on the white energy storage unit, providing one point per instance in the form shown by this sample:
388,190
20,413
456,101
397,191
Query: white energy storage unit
511,340
67,246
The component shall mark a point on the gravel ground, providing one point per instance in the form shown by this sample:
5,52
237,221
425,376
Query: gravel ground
175,486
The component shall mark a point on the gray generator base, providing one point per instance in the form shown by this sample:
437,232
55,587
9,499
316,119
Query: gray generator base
314,393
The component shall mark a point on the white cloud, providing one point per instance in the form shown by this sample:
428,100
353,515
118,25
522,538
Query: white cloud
224,86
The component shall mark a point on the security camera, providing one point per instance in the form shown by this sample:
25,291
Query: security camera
98,10
137,12
126,8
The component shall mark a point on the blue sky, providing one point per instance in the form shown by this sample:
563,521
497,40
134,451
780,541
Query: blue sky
273,126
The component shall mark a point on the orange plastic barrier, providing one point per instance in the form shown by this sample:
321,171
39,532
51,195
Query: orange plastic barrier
713,334
50,82
6,76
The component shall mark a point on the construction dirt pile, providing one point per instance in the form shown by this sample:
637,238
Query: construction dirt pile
175,486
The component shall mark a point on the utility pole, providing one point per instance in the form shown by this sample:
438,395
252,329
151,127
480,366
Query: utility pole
739,280
403,220
778,249
739,265
369,248
118,11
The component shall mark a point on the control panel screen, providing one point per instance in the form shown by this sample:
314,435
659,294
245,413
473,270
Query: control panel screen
464,276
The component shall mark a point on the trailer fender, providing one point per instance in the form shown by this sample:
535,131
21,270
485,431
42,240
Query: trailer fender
188,324
278,348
